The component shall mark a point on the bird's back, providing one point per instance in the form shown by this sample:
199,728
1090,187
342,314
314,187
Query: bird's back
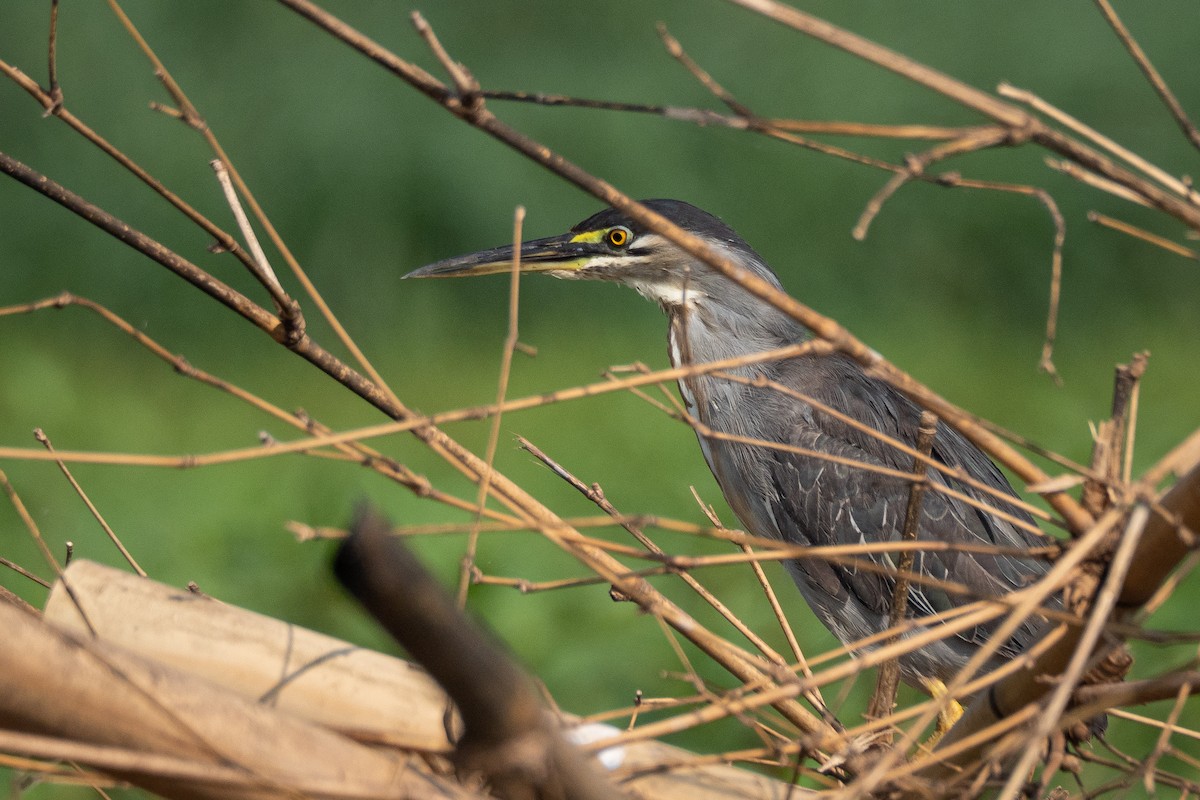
834,483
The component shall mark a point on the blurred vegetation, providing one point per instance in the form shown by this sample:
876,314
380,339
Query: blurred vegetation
366,180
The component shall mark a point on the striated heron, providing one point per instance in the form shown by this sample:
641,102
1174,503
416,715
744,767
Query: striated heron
813,493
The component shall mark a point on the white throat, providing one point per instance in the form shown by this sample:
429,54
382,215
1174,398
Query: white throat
670,294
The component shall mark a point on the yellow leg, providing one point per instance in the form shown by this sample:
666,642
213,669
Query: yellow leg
950,713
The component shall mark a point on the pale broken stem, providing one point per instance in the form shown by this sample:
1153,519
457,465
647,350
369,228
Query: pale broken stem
1046,363
41,436
1131,158
1150,722
1096,181
1136,368
508,492
192,118
506,358
526,586
464,81
1167,590
888,680
52,58
263,272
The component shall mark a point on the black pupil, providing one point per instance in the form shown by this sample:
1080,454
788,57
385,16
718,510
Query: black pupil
617,237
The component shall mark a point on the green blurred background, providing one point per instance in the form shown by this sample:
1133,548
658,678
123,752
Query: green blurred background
366,179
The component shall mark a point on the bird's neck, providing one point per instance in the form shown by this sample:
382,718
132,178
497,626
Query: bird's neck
701,333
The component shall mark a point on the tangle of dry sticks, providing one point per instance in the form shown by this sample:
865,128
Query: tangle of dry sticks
1127,531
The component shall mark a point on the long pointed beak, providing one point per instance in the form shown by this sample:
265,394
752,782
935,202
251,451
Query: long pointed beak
564,252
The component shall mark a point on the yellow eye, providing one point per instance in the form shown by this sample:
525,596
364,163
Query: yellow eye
618,237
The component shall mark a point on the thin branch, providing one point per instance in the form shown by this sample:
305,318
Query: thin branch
41,436
291,314
751,120
1089,178
422,424
900,447
35,533
140,242
1024,126
1150,767
1157,723
773,601
983,713
593,493
225,241
1125,154
55,93
464,82
31,526
386,466
823,327
1046,361
24,573
883,700
706,80
813,696
705,117
467,565
1147,68
915,166
1099,612
1145,235
596,495
526,586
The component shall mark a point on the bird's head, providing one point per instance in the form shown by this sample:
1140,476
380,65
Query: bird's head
609,246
